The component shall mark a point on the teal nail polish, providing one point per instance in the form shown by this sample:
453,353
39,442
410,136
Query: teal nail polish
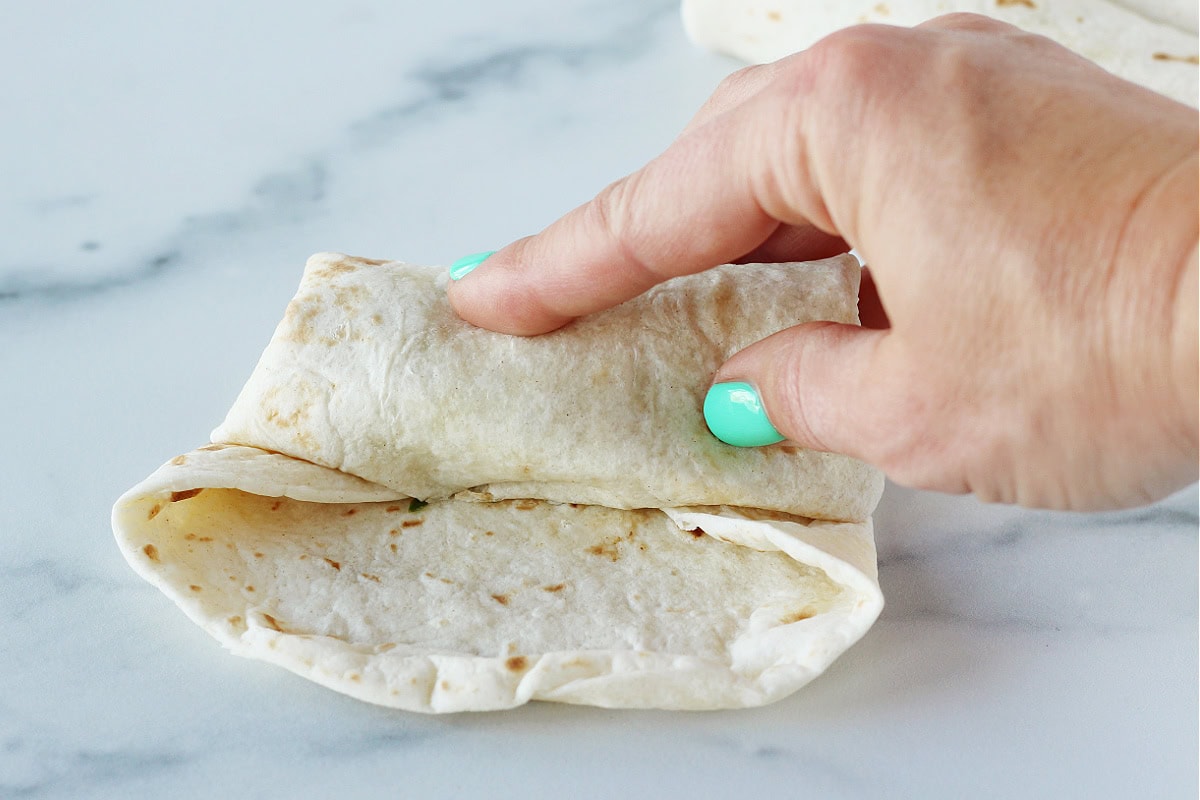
735,415
461,268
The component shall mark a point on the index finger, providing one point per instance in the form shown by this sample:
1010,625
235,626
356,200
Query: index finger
712,197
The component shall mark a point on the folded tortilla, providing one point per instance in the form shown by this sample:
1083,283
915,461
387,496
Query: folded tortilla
1145,41
433,517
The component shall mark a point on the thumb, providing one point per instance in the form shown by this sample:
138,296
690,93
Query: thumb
818,384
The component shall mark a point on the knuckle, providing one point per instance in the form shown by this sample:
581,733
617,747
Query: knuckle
849,75
739,83
611,213
608,209
849,57
966,21
797,414
805,414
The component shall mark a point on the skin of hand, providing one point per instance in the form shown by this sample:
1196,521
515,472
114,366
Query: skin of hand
1030,222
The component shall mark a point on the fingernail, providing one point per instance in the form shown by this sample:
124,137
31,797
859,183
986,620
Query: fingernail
735,415
461,268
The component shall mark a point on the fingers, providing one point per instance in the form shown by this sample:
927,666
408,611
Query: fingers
637,233
821,385
735,89
711,198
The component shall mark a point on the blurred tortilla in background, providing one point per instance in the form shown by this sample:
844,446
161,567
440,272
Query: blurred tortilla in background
1151,43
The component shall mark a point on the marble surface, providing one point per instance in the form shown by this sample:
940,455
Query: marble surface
165,168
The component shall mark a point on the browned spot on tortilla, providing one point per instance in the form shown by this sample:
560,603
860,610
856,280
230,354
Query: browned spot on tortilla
606,549
273,623
304,556
446,580
275,506
502,599
412,523
882,9
1026,3
790,449
299,317
1180,59
377,319
154,511
489,533
429,575
205,539
392,546
445,686
336,268
796,616
277,418
258,555
234,620
333,563
187,494
558,587
191,537
151,552
774,16
392,509
526,505
575,505
347,298
383,648
249,588
212,448
697,532
370,577
194,588
233,577
354,676
179,461
516,663
611,548
351,512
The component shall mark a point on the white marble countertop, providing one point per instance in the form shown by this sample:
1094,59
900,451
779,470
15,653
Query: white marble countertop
165,169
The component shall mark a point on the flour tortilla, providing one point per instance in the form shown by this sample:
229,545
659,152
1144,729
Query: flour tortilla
468,603
371,373
1144,41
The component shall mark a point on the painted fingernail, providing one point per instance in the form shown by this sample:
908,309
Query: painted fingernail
461,268
735,415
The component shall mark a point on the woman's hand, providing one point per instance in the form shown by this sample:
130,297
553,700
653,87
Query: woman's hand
1030,222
